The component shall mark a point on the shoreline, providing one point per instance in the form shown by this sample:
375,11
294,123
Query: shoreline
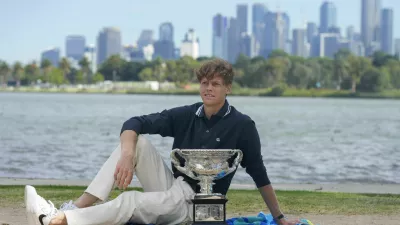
290,93
338,187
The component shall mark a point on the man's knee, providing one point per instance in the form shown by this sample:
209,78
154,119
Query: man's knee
143,144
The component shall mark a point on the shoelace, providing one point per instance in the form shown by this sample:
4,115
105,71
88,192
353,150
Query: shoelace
67,206
49,209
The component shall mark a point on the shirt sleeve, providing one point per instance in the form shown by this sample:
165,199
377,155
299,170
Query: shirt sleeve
252,161
161,123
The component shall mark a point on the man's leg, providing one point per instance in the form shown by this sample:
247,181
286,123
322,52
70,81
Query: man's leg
151,170
166,207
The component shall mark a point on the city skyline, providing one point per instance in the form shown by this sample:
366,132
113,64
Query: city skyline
25,48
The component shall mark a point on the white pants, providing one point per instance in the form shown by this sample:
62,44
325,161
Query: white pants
165,200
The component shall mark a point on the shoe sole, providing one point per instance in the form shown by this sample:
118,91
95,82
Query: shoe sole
30,195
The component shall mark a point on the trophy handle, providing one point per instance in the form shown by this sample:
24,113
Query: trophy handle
236,161
176,163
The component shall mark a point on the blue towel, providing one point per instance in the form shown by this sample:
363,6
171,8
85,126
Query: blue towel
260,219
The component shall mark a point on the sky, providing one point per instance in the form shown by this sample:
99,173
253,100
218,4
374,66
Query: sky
27,27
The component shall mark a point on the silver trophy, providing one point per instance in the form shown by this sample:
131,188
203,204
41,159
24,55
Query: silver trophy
206,166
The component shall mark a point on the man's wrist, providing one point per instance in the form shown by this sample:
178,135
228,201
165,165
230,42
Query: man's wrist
279,218
128,152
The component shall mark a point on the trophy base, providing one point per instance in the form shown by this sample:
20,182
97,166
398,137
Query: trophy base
209,209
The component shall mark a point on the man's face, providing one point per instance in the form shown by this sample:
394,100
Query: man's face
214,91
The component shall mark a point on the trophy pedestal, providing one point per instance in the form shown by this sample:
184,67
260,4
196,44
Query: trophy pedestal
209,209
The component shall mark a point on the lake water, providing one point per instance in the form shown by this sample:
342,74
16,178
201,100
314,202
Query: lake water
304,140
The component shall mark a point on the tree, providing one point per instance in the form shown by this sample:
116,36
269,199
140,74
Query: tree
56,76
340,66
299,76
130,71
242,68
154,71
204,58
98,77
18,73
357,67
278,53
65,66
393,67
372,80
146,74
186,66
325,74
46,68
84,65
380,58
254,75
277,69
80,78
112,68
32,73
4,70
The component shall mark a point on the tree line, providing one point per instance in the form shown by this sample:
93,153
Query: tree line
346,71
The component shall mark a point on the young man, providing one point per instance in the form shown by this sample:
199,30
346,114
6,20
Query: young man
212,124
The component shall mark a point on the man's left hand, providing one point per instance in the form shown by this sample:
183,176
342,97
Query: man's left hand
288,222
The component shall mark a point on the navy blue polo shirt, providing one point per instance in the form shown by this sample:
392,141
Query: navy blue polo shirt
191,129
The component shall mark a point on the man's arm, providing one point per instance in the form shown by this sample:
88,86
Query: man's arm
128,142
157,123
124,170
250,144
268,194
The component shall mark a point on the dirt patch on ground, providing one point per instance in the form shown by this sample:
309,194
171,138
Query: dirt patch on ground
16,216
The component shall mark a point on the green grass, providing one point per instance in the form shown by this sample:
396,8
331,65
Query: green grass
242,202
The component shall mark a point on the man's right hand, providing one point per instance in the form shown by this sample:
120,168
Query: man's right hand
126,165
124,171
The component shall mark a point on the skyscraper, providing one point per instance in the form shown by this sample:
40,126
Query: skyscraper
397,47
387,31
166,32
370,24
145,38
350,33
241,16
75,47
278,32
258,26
328,44
286,32
233,40
165,46
298,42
220,37
53,55
108,44
327,16
246,45
312,31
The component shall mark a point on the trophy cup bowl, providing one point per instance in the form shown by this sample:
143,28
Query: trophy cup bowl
206,166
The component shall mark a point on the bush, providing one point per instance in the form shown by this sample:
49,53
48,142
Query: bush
278,90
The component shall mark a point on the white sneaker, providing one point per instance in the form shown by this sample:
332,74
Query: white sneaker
68,206
38,210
